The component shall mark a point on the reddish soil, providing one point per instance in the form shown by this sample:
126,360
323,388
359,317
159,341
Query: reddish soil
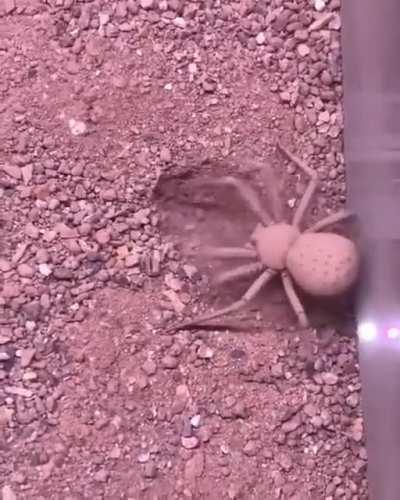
108,110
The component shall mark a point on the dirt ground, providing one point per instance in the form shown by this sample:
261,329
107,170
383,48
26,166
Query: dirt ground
108,112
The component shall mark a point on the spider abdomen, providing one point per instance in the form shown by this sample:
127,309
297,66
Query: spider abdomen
323,264
273,243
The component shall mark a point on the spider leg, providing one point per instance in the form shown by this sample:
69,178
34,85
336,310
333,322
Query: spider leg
330,219
294,299
246,192
240,272
310,190
252,291
228,252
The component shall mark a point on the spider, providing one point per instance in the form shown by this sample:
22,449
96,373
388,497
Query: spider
321,264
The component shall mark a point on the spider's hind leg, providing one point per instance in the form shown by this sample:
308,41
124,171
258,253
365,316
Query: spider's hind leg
252,291
294,300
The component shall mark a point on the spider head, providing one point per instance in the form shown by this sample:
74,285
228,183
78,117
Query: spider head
273,243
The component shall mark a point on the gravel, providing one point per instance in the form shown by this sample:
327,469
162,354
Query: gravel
102,103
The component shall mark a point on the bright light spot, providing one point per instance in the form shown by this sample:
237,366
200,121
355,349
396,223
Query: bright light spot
393,333
367,332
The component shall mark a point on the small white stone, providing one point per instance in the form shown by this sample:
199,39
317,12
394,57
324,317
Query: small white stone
261,38
77,127
195,421
319,5
45,269
179,22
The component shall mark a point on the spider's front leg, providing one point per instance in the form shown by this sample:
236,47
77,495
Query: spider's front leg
310,190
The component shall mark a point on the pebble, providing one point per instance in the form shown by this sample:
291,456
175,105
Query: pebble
12,171
25,271
190,442
146,4
45,270
149,367
103,236
27,356
11,290
195,421
77,127
8,493
169,362
303,50
165,155
5,265
329,378
204,352
179,22
132,260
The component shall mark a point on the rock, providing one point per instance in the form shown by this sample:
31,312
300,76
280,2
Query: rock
190,442
65,231
261,38
103,236
12,171
165,155
108,194
77,127
149,367
143,458
353,400
8,493
329,378
277,370
169,362
195,421
179,22
357,430
45,270
251,448
132,260
205,352
101,476
303,50
25,271
147,4
11,290
62,273
182,396
27,356
5,265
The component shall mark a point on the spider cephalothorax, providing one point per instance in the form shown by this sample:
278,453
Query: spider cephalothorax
322,264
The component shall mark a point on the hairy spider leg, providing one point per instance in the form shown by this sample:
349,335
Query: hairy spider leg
294,300
310,190
251,292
